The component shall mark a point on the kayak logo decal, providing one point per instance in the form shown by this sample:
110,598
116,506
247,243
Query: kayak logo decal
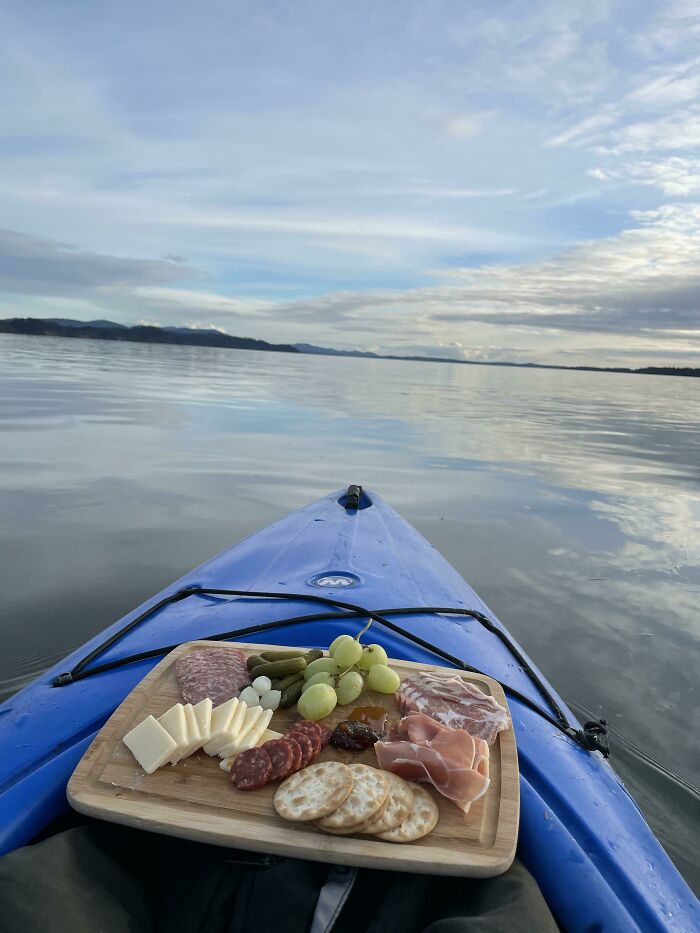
330,580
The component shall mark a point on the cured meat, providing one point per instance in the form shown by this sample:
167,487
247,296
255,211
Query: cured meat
307,747
325,736
296,751
420,749
281,756
454,702
251,769
217,673
311,731
308,726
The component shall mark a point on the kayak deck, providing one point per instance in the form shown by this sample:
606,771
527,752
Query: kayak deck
582,836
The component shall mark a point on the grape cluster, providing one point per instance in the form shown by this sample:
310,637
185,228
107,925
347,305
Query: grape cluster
340,678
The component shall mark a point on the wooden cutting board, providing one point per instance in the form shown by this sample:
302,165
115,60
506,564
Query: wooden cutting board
196,800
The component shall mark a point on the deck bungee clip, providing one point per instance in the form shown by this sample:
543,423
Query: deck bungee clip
593,737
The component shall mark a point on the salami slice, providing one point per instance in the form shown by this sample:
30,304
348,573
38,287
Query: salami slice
306,745
281,756
218,673
308,725
251,769
326,734
296,752
314,736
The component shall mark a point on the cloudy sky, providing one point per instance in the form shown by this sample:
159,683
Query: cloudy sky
516,181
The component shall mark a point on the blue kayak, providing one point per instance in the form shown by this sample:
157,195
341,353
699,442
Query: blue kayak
582,836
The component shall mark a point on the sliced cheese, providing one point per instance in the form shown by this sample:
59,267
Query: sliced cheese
174,722
194,739
202,711
238,719
267,736
241,724
249,737
253,714
150,744
232,732
224,720
193,734
222,715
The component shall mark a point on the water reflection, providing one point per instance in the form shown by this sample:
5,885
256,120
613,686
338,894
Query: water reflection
570,500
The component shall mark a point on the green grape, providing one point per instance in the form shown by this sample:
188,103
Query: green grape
371,655
382,679
348,654
321,664
349,687
318,701
323,677
337,642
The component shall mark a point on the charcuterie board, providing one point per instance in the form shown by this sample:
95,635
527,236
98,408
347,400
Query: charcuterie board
195,799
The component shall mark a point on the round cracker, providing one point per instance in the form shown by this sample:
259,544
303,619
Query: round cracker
421,820
313,792
360,828
398,807
370,789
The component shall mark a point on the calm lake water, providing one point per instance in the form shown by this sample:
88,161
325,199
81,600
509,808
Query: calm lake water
570,501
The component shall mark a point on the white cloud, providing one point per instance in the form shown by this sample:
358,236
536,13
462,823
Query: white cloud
670,85
680,130
204,325
674,176
599,174
463,126
580,131
643,283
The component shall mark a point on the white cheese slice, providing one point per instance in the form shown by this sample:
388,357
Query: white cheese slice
173,720
194,736
222,715
203,713
150,744
224,720
252,715
250,736
241,723
256,733
238,719
267,736
212,747
194,739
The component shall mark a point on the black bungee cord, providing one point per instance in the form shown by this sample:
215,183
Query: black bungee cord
593,736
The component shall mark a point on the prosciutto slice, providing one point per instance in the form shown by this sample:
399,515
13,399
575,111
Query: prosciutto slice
420,749
453,702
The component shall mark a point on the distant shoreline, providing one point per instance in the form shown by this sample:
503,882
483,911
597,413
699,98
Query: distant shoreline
108,330
189,336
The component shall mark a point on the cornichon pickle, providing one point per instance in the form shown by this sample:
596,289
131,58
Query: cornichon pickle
279,668
313,655
281,683
283,655
291,694
252,661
